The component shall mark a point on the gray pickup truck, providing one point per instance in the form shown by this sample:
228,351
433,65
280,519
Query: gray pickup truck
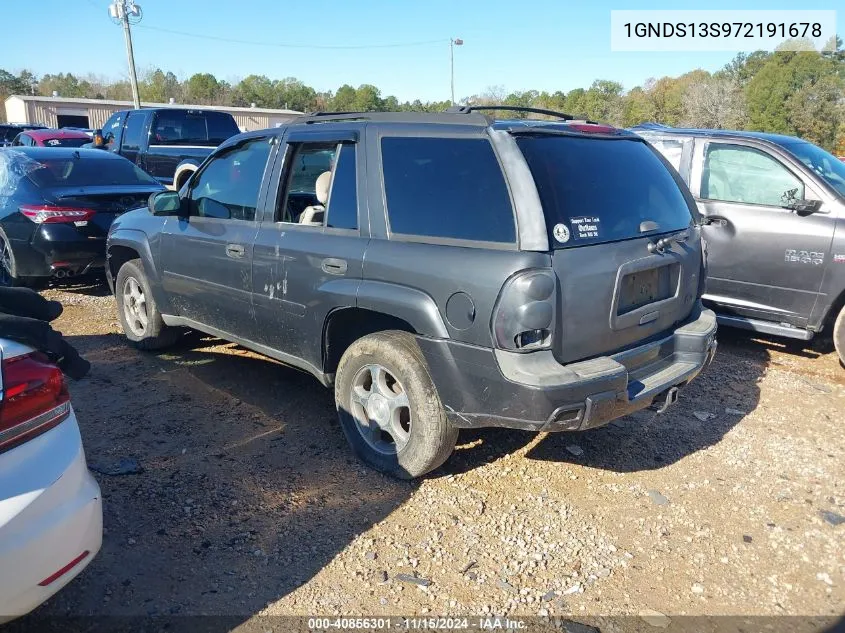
168,143
439,271
774,210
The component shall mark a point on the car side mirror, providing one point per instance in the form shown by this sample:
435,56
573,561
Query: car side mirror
806,207
163,203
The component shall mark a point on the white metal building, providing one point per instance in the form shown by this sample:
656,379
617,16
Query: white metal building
92,113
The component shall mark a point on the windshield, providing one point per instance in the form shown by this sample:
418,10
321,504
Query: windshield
596,190
188,127
825,165
82,172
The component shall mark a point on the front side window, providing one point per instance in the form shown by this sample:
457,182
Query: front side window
342,208
735,173
228,187
133,133
824,164
446,188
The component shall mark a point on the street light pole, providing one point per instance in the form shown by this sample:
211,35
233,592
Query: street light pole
453,42
121,10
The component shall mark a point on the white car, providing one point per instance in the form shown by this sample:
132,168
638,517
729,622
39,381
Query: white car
51,513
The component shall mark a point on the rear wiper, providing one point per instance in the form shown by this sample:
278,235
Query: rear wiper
660,245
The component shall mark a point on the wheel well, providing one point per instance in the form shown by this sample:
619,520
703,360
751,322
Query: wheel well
118,256
347,325
830,318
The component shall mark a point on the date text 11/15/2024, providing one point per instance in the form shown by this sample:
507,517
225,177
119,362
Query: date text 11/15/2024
486,623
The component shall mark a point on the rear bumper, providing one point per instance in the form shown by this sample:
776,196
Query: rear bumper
50,513
56,247
481,387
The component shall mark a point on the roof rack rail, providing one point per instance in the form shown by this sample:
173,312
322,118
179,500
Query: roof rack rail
471,108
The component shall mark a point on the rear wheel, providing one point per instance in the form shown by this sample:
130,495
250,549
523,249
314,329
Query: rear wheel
137,310
839,335
389,408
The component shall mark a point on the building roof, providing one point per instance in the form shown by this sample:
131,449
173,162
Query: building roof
145,104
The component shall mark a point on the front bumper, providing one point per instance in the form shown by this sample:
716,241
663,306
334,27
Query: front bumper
50,513
481,387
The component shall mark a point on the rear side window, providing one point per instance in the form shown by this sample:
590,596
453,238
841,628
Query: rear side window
189,127
595,190
81,172
446,188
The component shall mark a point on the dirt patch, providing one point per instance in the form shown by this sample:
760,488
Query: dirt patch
249,502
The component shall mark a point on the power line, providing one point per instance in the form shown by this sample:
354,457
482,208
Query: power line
282,45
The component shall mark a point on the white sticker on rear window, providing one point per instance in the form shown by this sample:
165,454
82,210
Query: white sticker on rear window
561,233
53,142
586,226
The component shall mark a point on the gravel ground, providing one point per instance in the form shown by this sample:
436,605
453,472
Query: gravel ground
249,502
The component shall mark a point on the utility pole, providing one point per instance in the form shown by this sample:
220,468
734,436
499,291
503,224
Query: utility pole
121,11
453,42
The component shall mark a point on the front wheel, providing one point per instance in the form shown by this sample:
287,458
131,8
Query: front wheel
137,310
389,408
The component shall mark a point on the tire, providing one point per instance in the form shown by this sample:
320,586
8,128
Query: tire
391,366
839,335
139,316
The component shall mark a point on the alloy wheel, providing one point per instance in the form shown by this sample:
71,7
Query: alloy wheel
135,307
381,409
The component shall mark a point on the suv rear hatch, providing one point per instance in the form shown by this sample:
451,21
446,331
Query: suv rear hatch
624,245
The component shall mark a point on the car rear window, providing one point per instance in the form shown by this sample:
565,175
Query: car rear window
66,142
81,172
596,190
446,188
190,127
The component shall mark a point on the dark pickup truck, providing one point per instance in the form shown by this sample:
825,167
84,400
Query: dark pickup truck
168,143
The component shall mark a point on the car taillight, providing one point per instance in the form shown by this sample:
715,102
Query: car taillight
524,316
48,214
34,398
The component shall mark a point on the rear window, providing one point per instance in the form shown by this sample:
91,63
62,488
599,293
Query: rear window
596,191
190,127
66,142
446,188
80,172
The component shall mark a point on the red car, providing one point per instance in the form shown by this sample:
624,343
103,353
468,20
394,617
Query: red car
51,138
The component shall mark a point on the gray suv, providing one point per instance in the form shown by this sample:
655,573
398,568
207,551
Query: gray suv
439,271
774,215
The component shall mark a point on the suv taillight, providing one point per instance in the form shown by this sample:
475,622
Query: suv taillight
524,316
47,214
34,399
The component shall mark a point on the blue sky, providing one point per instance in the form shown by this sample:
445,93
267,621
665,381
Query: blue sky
544,44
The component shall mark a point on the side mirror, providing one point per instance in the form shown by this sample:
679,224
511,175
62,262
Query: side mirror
165,203
806,207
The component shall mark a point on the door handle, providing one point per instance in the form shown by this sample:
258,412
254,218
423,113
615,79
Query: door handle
235,250
714,220
334,266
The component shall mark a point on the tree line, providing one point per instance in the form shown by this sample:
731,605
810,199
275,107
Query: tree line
796,93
